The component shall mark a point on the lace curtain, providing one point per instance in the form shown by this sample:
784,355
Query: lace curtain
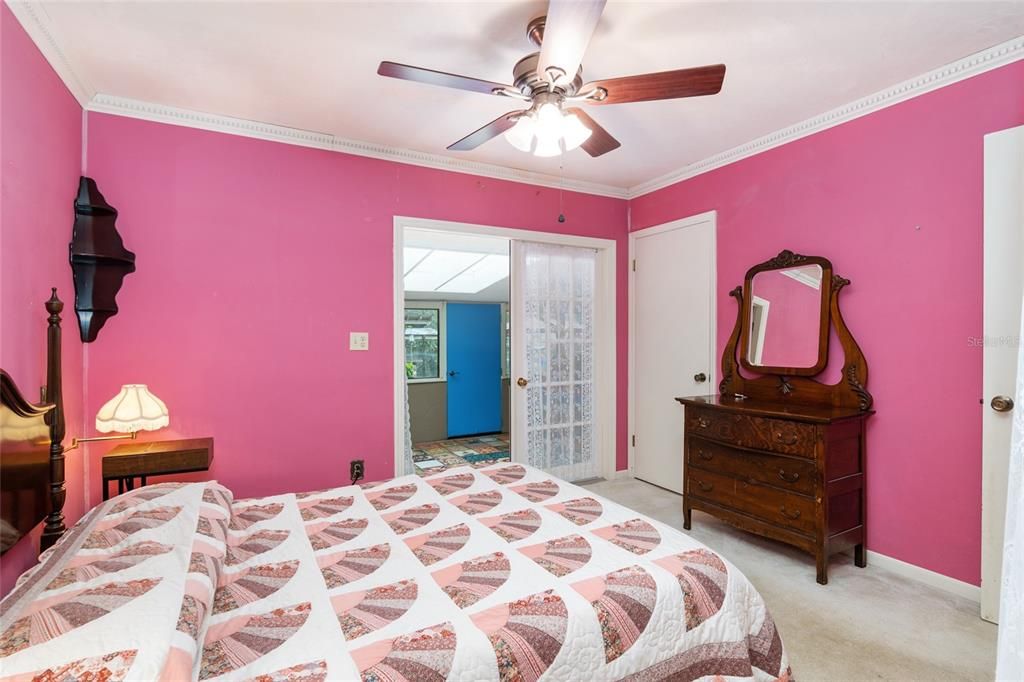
557,299
407,465
1010,659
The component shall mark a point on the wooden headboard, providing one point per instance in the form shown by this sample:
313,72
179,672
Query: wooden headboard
31,449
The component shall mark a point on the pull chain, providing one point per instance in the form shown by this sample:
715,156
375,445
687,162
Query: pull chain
561,189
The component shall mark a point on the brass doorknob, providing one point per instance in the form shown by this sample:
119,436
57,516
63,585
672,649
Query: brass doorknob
522,382
1002,403
700,378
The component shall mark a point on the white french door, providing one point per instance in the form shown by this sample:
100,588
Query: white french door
1004,286
553,321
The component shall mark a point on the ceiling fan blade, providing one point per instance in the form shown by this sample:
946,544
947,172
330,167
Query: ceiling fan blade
600,140
567,32
492,129
702,80
431,77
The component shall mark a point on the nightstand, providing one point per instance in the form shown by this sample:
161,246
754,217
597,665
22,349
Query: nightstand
127,462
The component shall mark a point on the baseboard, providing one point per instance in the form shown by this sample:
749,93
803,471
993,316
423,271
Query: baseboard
923,575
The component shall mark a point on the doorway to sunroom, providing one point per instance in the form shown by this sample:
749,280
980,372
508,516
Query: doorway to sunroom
505,349
457,344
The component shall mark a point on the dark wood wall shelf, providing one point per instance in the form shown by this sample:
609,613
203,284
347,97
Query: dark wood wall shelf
99,261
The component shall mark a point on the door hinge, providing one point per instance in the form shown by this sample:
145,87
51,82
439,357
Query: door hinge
634,265
634,440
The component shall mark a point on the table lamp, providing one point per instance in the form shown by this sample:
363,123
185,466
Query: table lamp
132,410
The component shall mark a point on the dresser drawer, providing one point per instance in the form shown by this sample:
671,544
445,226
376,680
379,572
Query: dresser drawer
786,473
777,507
759,433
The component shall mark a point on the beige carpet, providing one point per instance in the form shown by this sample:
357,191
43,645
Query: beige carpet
866,624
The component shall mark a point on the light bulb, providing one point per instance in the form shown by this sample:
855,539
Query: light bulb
549,122
574,133
520,135
548,114
548,145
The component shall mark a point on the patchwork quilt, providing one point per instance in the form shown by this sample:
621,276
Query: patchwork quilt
497,573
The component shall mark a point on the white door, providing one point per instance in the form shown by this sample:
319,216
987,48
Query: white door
553,345
673,341
1004,285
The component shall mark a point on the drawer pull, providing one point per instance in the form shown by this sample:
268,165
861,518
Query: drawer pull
791,439
706,487
706,456
703,422
789,478
795,514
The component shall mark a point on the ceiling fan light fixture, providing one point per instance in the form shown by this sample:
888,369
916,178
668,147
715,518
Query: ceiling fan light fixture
521,134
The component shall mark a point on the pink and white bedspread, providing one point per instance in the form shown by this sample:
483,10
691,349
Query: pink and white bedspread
499,573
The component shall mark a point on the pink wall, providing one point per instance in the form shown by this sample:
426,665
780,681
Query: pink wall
40,159
255,261
894,199
793,321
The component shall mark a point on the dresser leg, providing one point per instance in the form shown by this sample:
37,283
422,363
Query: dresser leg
687,516
822,561
860,559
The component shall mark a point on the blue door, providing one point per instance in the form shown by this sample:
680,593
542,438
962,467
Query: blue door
474,368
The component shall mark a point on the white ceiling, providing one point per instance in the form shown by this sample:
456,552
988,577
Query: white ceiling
312,65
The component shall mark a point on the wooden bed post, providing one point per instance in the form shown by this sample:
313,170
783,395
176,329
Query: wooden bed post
54,527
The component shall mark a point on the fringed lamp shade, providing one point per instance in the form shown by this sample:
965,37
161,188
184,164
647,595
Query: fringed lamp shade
133,409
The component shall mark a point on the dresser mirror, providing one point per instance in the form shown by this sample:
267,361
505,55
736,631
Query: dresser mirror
785,316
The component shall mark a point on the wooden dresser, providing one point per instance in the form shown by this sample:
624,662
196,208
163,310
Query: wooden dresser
789,472
778,452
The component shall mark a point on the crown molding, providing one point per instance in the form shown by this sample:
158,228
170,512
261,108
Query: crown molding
32,18
38,29
979,62
120,106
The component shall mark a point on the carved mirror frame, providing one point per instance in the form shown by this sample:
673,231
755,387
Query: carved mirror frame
784,261
851,389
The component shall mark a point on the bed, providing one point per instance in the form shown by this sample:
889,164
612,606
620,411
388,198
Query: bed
495,573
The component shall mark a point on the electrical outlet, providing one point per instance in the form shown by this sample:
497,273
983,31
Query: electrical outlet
356,470
359,341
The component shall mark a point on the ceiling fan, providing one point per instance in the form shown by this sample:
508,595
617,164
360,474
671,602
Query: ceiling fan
551,81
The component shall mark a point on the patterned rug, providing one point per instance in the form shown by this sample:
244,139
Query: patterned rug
480,451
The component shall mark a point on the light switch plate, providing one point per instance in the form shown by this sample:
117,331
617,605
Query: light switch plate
359,341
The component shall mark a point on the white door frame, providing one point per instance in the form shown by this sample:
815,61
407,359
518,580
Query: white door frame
604,327
708,216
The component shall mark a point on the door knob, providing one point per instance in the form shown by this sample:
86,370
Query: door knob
1002,403
522,382
700,378
452,372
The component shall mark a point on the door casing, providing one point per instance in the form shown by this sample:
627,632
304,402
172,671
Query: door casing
606,340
